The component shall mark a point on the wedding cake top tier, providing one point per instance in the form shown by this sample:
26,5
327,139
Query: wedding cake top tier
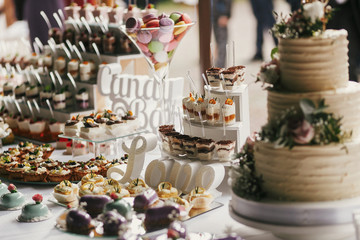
316,63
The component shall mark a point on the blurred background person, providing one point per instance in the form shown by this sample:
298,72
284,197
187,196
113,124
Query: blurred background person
263,11
347,16
221,12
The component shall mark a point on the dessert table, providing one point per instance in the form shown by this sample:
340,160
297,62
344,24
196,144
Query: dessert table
217,221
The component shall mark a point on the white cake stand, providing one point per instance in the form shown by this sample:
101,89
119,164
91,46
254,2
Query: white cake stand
298,221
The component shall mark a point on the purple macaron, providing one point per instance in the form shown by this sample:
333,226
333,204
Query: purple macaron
149,17
166,24
144,36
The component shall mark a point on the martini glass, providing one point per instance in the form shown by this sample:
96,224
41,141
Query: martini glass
158,46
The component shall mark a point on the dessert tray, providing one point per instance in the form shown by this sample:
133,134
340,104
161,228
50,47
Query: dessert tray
297,220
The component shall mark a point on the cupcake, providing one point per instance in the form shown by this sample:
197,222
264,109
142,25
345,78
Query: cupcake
13,199
213,112
82,98
73,68
65,192
228,109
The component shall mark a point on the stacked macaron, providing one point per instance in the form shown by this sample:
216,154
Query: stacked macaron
158,37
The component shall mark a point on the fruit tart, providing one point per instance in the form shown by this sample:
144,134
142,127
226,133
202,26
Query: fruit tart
65,192
35,174
59,173
93,178
90,189
166,190
137,186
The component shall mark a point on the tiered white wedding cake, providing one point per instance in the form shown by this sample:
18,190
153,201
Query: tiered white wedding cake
309,150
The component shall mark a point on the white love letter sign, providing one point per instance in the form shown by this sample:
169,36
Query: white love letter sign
184,174
139,146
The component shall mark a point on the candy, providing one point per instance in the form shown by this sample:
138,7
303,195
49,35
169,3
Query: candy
186,18
144,37
143,47
175,16
147,18
153,24
161,56
155,46
165,37
132,25
171,45
178,29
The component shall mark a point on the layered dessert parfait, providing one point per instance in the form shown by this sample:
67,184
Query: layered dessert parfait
59,100
177,144
72,11
189,145
46,94
69,35
213,112
23,124
109,43
93,68
32,92
225,149
205,149
213,76
56,127
82,98
48,62
132,11
37,126
97,39
84,39
228,110
85,71
86,12
60,65
200,109
55,34
20,91
68,96
116,14
34,60
8,88
73,68
231,77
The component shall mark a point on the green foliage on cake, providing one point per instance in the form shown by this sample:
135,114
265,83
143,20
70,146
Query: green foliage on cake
311,125
245,183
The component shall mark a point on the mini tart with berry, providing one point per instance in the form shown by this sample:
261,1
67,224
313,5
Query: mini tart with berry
35,174
50,163
65,192
166,190
117,162
101,162
93,178
47,150
59,174
90,189
26,147
71,164
200,198
113,186
136,187
84,169
17,171
33,160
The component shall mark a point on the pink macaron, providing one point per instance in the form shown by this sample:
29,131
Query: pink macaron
171,45
147,18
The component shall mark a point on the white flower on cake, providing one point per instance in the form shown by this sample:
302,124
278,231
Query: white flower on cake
314,10
269,72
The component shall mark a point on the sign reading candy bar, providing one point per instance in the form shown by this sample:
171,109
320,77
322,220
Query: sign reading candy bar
184,175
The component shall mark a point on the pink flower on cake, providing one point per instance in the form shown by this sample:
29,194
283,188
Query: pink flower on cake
37,198
12,188
269,72
303,133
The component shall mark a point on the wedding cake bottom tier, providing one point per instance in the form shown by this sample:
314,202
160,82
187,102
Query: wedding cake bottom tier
309,173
